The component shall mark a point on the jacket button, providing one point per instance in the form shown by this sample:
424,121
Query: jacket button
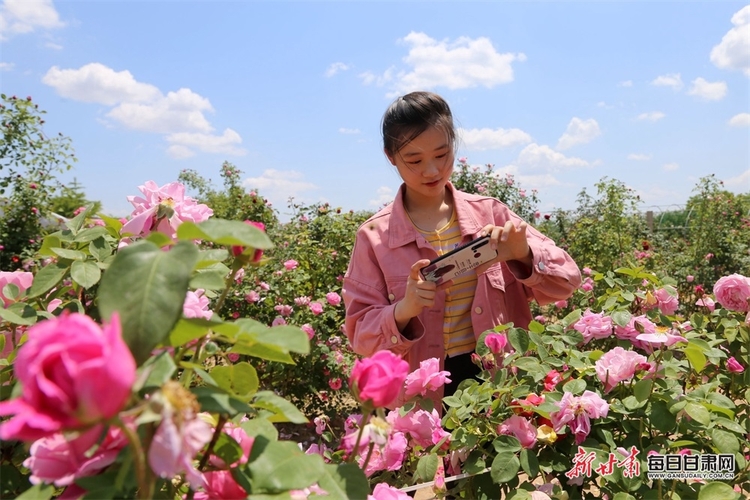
478,310
391,297
540,266
394,339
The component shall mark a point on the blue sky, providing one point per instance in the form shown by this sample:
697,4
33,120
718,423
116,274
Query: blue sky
560,94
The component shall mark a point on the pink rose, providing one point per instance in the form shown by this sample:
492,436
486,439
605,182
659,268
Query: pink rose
316,308
252,296
666,299
335,383
733,292
734,366
593,326
333,298
196,305
283,309
60,461
220,484
20,279
308,329
238,250
65,367
496,342
616,366
163,209
278,321
521,429
291,264
378,378
427,377
244,441
561,304
706,302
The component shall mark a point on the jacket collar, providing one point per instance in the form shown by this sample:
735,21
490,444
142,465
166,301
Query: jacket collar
402,231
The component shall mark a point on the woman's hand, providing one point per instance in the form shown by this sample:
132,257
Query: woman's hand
419,294
510,242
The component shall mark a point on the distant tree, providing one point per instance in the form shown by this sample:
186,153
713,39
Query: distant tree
29,161
234,202
71,199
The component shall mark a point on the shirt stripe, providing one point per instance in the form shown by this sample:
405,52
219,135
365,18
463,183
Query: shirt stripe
458,333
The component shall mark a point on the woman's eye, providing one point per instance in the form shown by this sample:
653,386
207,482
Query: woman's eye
414,162
442,155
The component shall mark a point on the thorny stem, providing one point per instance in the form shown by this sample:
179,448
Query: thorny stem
365,419
369,454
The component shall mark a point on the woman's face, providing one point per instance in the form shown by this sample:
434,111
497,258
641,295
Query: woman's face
426,162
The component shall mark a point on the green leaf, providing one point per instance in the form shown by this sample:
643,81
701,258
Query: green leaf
427,467
717,491
576,386
86,273
239,379
698,412
50,241
46,279
621,495
100,249
189,329
228,449
730,424
621,318
283,410
158,370
642,389
91,234
147,287
519,339
208,280
505,443
571,318
505,467
277,466
260,427
225,232
159,239
726,442
19,314
38,492
214,400
344,481
696,357
110,222
572,337
536,327
529,463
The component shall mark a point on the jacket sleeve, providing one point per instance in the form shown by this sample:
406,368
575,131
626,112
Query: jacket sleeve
370,325
554,274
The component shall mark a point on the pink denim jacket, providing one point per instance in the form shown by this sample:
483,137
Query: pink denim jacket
386,247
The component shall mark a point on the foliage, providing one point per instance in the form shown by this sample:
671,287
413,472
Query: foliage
29,161
71,200
233,202
488,182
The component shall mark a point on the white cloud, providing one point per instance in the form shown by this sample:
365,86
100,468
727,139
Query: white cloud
638,157
626,83
384,196
740,120
546,159
368,77
180,111
179,115
53,46
458,64
278,186
733,52
670,167
652,116
97,83
671,80
25,16
349,131
481,139
578,132
4,66
227,143
739,184
712,91
335,68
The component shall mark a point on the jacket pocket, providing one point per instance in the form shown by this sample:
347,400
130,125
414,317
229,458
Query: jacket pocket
499,278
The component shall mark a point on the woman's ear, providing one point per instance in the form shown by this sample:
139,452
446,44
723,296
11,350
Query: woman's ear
390,158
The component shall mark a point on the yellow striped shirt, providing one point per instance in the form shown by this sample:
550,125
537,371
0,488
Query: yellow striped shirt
458,334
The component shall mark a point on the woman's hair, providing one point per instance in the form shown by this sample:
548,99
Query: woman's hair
410,115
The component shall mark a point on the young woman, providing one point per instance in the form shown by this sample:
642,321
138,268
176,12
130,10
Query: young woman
388,303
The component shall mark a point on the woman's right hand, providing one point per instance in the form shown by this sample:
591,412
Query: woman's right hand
419,294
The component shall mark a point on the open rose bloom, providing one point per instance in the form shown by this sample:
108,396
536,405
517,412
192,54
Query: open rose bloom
74,373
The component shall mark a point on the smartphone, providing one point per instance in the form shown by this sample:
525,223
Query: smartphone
459,261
